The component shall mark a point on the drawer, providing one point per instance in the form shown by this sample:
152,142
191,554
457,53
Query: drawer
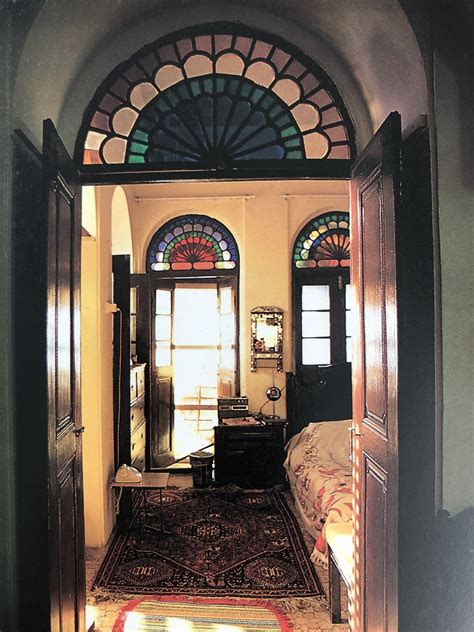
137,442
140,381
133,385
137,414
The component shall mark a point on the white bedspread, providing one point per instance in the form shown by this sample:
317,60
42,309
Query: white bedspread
320,476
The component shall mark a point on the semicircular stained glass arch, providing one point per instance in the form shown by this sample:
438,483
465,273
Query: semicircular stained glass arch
324,242
192,243
212,96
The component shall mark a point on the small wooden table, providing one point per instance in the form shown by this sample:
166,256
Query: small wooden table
150,480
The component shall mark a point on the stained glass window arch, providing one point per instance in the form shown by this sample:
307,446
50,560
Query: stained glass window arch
215,96
193,243
324,242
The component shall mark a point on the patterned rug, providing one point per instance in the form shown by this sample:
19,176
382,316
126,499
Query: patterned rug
178,614
214,542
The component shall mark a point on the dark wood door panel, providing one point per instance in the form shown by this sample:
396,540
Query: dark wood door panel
374,202
373,306
375,536
66,520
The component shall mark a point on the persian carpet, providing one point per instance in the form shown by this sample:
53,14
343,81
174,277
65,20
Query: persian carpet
214,542
200,614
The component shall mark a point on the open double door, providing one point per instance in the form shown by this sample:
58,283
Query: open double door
393,385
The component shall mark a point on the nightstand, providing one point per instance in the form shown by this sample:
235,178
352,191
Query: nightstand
248,453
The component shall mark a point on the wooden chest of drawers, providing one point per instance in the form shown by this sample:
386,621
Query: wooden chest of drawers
137,416
250,456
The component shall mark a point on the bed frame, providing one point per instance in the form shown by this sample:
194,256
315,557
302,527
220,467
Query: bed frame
326,396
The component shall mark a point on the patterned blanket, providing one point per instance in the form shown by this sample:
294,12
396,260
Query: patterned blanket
320,474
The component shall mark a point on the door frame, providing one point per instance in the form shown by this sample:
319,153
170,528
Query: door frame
155,278
150,177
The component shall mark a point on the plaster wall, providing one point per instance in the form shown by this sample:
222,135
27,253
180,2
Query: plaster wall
455,147
97,366
366,46
265,218
121,229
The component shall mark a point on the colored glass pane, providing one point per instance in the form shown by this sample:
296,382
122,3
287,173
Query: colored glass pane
214,98
192,242
324,242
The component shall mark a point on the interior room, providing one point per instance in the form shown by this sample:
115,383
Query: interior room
232,295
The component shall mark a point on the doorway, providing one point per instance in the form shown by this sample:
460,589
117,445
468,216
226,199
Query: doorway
193,358
195,346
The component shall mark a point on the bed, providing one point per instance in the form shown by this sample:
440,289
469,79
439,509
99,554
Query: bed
317,464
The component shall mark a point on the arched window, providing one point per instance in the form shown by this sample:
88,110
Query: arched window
213,97
193,243
322,292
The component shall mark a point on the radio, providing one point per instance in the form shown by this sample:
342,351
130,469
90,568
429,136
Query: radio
232,407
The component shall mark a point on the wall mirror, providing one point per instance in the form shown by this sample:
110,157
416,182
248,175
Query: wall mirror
267,338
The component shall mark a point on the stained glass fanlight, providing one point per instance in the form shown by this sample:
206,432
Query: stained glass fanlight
192,242
323,243
213,96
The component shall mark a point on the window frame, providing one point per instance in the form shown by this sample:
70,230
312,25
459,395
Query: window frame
337,279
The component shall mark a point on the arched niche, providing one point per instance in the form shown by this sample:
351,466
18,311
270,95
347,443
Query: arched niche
122,243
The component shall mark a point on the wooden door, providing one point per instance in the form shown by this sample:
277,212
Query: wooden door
227,379
63,365
162,400
392,378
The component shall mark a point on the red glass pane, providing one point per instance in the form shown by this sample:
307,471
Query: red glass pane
109,103
261,49
181,265
280,58
242,44
100,121
167,54
203,265
295,69
203,43
184,47
222,42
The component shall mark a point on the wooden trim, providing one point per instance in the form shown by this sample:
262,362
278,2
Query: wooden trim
253,170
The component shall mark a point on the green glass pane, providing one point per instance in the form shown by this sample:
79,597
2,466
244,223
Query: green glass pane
132,159
195,88
295,142
257,95
141,136
245,89
138,148
289,131
294,155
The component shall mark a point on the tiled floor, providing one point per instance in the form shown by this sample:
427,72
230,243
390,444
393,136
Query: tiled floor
309,614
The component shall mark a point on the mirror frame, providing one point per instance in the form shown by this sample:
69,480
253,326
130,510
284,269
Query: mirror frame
274,358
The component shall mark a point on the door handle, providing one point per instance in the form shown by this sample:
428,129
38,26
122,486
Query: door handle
79,431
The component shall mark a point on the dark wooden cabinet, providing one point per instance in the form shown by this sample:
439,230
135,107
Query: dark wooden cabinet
250,456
